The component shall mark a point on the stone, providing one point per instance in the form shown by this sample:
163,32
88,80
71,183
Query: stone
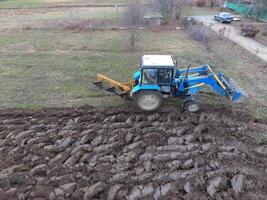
112,194
172,140
86,148
127,157
51,148
135,193
65,143
188,164
59,159
162,191
118,125
114,138
139,170
94,189
165,156
182,174
12,192
11,170
226,148
201,128
130,120
93,160
58,192
3,194
119,118
40,191
214,164
143,177
21,179
191,146
132,146
175,148
147,190
174,164
25,134
107,158
162,157
153,117
120,176
213,185
237,183
71,161
166,188
161,177
39,170
97,141
206,146
105,147
187,187
128,137
157,194
188,139
68,188
179,131
262,150
52,196
147,165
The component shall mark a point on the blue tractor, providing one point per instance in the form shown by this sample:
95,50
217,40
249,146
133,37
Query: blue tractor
158,78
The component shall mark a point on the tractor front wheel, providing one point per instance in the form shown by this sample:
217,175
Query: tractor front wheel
148,100
191,106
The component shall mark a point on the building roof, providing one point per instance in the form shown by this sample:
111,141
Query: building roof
157,61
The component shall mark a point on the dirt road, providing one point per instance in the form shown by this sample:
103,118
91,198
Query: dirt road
249,44
120,153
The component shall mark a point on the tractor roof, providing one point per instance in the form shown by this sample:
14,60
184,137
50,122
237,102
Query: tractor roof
157,61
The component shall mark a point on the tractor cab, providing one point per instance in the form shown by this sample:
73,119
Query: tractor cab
157,71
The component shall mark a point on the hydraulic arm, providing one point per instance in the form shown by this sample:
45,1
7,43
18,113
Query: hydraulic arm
193,79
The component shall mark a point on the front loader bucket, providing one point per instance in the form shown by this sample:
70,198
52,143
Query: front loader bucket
232,88
112,86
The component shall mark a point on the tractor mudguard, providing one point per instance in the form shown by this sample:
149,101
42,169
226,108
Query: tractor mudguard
139,88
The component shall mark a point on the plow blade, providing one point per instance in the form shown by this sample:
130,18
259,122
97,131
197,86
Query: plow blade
121,93
112,86
110,89
99,84
232,88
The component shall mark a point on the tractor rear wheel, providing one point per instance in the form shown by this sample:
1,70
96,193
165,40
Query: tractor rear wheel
148,100
191,106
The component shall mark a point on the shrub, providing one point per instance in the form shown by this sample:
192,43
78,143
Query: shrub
200,33
200,3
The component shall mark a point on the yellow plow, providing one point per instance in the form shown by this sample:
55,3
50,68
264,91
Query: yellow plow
115,87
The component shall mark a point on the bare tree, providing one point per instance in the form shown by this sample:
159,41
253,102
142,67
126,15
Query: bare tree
133,18
259,7
181,7
212,3
116,6
256,8
165,8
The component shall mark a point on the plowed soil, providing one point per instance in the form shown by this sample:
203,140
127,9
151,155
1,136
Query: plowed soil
122,153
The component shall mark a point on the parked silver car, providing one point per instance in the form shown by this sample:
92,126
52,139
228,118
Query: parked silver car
224,17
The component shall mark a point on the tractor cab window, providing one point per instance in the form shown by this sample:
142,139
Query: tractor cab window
149,76
165,76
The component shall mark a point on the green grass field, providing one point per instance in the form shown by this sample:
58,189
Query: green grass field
56,67
51,3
